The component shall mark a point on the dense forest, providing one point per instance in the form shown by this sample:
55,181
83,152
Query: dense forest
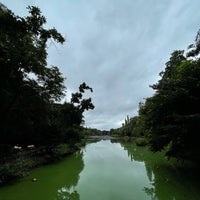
170,119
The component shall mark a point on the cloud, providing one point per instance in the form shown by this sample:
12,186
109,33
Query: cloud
117,47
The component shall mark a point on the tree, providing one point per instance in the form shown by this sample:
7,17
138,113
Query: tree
27,84
65,119
194,49
171,117
77,98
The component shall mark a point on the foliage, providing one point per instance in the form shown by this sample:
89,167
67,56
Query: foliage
22,162
131,127
27,85
171,117
141,141
29,90
194,49
77,98
11,171
29,95
94,132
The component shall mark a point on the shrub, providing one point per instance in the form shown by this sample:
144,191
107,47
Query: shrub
141,141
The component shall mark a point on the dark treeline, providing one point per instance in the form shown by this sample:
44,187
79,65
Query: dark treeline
30,90
170,119
95,132
130,128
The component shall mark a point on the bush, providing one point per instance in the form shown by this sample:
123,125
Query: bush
12,170
5,150
141,141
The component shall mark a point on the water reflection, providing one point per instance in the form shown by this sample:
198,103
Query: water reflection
104,171
169,181
68,191
55,182
150,192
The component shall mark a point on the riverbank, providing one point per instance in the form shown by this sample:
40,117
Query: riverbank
115,170
100,137
139,141
20,163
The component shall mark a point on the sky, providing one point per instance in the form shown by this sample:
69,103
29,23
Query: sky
118,47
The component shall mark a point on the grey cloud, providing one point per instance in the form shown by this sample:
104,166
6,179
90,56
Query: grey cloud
117,47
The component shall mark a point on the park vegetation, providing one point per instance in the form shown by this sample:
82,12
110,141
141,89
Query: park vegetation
31,114
170,119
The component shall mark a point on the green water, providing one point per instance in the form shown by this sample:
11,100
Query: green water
108,170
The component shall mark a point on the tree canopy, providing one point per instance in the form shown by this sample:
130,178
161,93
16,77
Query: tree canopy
171,117
29,89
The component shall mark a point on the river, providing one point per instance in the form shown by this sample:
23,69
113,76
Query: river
108,170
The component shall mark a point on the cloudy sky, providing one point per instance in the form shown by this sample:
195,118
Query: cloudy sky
118,47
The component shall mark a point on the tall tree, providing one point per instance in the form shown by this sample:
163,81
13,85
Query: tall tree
27,84
171,117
